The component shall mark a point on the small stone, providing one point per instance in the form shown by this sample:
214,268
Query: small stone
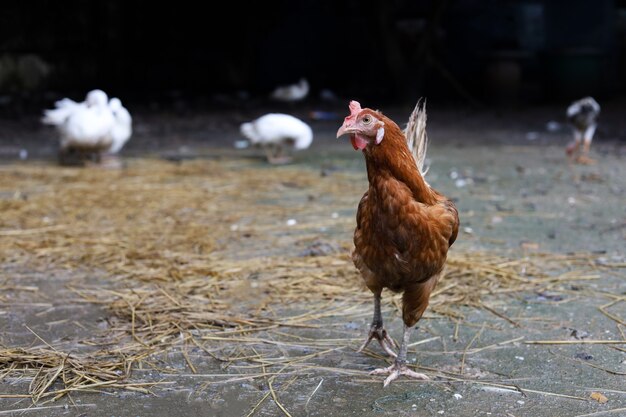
241,144
553,126
320,248
496,220
532,136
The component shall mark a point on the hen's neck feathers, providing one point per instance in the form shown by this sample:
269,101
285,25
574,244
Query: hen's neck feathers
393,157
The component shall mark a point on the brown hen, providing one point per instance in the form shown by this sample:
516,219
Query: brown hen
404,227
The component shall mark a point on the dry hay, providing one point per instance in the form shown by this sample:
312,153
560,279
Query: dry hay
250,295
46,367
198,252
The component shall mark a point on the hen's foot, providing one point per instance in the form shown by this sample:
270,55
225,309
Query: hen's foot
395,370
585,160
386,342
111,162
280,160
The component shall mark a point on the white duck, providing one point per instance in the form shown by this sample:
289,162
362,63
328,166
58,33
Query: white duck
291,93
85,128
583,116
274,131
122,127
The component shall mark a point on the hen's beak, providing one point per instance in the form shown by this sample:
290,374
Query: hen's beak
344,129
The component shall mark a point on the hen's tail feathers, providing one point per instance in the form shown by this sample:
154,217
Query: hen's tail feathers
416,136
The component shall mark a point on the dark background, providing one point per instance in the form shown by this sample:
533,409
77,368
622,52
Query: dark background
485,53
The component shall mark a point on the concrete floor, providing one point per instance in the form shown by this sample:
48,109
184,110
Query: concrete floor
512,193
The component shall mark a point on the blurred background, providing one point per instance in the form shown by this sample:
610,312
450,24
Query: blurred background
468,54
522,51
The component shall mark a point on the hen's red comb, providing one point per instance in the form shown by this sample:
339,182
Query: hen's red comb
355,109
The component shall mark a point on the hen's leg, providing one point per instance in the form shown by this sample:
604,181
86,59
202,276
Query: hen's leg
278,156
269,152
414,303
378,332
110,161
399,366
572,148
588,137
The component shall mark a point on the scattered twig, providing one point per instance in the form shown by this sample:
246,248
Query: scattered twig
476,336
575,342
50,407
313,393
600,413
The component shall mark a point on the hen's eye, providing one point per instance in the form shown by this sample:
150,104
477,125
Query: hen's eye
367,120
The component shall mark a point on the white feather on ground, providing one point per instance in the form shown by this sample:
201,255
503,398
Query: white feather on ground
276,131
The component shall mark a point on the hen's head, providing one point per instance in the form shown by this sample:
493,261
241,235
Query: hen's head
365,126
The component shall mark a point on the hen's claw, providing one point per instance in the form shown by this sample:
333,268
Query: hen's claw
585,160
395,370
386,342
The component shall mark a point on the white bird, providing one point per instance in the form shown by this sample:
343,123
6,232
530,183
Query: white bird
85,128
583,116
291,93
122,127
274,131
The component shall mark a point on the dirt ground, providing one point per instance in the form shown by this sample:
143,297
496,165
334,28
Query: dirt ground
554,353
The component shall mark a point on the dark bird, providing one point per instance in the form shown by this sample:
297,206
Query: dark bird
583,116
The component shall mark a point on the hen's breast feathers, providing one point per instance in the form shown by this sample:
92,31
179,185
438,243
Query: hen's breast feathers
401,240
